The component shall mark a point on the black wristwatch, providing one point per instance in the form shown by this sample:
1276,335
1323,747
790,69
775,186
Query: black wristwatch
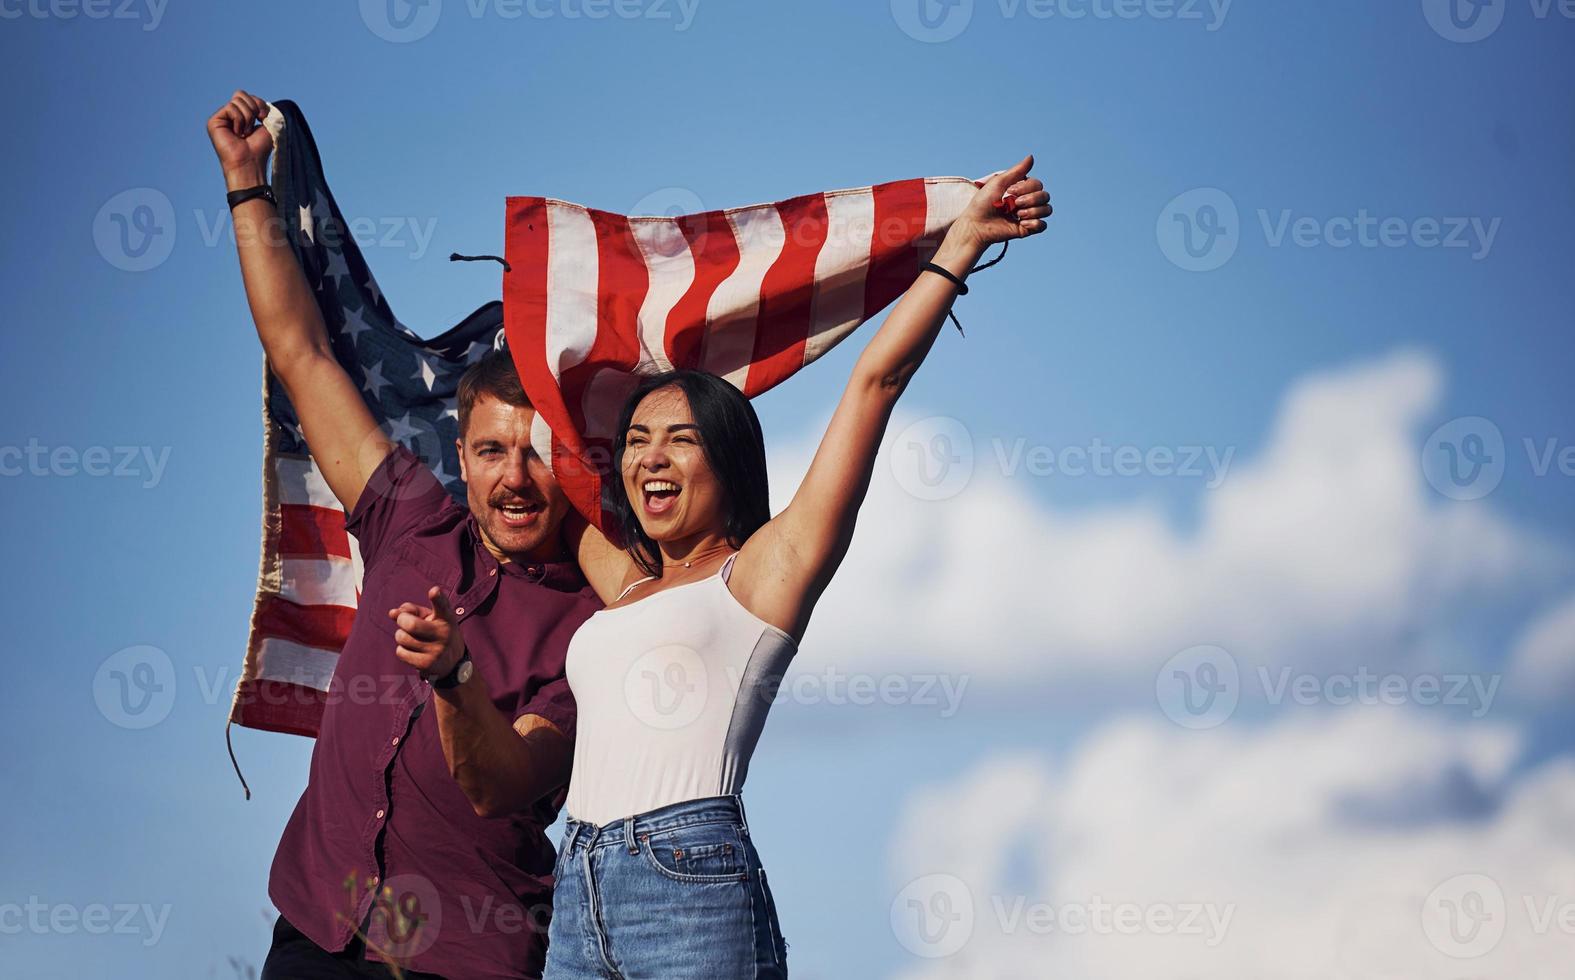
247,193
454,678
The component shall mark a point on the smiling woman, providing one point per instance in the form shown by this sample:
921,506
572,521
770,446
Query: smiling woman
705,607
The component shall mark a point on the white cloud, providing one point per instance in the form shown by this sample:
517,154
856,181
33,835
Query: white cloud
1328,544
1326,847
1542,666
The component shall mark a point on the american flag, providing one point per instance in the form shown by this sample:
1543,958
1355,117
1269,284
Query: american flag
310,574
594,300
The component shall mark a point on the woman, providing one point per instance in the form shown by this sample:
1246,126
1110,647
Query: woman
657,875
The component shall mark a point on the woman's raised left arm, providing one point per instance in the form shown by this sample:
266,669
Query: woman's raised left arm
785,565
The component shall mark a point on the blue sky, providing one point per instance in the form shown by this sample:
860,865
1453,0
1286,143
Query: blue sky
1323,370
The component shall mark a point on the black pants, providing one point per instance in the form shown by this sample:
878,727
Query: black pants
295,957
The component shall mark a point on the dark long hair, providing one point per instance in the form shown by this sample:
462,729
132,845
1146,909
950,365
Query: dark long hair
734,448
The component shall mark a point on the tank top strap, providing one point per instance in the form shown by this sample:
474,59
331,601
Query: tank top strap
631,585
727,566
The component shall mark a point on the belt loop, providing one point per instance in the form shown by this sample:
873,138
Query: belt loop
742,819
628,835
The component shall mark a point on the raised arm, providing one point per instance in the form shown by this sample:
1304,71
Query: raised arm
345,438
786,565
605,566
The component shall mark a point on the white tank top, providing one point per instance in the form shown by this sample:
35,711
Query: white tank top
672,693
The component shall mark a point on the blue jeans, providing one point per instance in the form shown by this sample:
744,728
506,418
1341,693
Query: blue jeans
676,893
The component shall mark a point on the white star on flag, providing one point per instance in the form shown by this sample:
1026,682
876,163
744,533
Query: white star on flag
424,371
356,325
400,429
336,267
374,382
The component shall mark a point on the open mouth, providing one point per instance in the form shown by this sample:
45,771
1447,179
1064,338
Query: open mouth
660,495
517,513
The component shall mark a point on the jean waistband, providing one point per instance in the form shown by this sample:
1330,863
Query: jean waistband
626,831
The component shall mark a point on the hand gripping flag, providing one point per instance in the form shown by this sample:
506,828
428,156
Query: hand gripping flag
592,301
310,573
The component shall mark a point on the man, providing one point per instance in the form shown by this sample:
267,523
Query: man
446,742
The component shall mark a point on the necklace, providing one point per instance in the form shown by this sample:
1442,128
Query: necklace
692,561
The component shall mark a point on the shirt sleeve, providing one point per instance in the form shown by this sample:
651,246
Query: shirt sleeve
400,494
554,702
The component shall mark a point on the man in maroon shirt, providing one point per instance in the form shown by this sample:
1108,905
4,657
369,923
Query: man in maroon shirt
397,852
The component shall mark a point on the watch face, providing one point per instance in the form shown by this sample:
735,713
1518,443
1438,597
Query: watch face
465,670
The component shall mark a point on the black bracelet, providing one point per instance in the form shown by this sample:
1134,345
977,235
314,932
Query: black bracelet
962,287
247,193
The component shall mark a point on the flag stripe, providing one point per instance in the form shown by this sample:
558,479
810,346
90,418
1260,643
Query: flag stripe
321,626
900,209
734,308
786,295
295,663
306,531
715,254
671,269
318,582
839,270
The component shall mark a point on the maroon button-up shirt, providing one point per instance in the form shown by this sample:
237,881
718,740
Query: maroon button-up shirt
383,839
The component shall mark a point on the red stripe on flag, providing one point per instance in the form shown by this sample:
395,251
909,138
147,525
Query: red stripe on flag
278,706
894,250
526,243
621,284
312,532
715,252
787,295
314,626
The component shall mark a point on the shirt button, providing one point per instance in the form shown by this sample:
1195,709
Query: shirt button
531,570
396,739
493,572
460,611
380,814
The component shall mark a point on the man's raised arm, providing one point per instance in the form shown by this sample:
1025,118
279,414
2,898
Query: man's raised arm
345,439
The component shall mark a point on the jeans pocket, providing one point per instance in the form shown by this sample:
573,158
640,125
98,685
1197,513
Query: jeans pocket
698,854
